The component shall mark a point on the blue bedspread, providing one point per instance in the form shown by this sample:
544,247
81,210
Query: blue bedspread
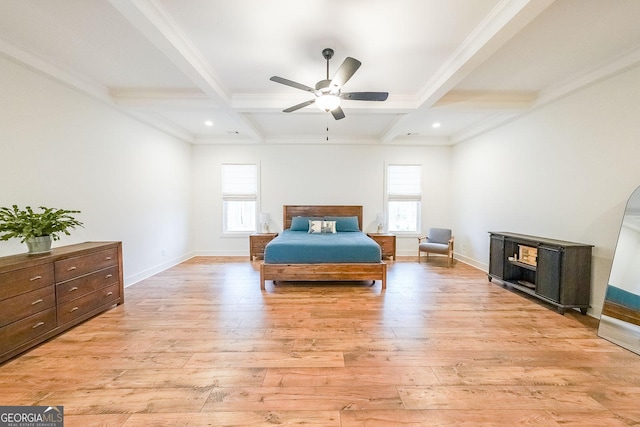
300,247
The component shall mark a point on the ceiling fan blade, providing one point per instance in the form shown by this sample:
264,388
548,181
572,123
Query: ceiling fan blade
299,106
365,96
337,113
292,84
347,69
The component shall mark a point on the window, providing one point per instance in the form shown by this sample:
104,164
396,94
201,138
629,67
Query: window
239,198
403,197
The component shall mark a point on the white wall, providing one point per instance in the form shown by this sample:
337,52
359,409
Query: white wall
563,171
61,149
319,174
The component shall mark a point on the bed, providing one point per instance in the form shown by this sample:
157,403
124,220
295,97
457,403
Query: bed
356,267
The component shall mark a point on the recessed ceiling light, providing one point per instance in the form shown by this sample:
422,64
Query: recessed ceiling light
208,123
435,125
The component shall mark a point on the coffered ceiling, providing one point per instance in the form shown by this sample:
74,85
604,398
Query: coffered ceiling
467,65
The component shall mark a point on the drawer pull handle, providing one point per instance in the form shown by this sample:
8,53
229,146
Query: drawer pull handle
75,288
109,276
109,294
74,309
108,258
35,278
37,325
71,268
38,301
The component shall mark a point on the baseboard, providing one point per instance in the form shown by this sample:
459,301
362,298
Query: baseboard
472,262
243,253
130,280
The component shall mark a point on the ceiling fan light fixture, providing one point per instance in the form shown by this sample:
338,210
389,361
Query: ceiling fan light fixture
328,92
327,102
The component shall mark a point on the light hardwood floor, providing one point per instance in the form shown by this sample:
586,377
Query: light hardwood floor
200,344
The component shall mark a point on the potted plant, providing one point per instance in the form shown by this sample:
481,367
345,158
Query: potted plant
37,229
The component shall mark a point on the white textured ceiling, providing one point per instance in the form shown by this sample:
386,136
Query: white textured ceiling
467,64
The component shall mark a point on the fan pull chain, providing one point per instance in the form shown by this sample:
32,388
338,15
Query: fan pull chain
327,128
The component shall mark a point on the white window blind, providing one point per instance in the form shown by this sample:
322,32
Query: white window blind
239,197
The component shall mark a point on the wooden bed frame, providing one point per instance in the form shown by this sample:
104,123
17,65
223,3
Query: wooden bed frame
326,271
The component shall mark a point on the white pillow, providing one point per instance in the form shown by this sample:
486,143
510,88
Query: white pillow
316,227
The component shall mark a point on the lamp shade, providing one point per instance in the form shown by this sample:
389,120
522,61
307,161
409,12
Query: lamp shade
265,219
380,220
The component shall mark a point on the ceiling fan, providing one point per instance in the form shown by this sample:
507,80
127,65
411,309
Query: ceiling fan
328,92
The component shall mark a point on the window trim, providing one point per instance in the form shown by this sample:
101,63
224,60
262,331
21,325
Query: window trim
240,197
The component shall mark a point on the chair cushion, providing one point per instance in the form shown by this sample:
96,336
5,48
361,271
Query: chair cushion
440,248
439,235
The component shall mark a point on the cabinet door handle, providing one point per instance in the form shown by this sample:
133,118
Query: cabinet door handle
38,301
75,288
35,278
71,268
74,309
37,325
109,276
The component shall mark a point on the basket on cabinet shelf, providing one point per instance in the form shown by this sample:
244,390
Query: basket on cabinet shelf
528,255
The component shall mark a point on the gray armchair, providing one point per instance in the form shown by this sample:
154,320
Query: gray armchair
438,241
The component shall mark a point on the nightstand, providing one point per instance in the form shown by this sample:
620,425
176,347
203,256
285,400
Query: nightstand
257,242
387,242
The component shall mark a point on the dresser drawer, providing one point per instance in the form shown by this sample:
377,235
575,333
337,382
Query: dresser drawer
24,305
387,245
71,310
80,265
76,288
20,281
18,333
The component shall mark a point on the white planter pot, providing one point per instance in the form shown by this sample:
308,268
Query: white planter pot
39,245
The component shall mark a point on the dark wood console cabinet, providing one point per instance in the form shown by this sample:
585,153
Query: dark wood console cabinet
560,275
42,296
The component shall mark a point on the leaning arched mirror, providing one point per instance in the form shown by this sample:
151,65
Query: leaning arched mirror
620,320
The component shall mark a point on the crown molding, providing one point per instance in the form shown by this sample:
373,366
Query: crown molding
609,68
39,64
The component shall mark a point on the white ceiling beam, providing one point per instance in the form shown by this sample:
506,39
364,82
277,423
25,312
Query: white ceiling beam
482,100
155,23
505,21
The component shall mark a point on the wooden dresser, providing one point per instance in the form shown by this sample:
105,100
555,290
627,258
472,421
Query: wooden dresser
43,295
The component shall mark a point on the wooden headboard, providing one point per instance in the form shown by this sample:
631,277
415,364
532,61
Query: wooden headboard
289,211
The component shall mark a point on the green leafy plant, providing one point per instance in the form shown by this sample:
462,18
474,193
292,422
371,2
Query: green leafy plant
25,224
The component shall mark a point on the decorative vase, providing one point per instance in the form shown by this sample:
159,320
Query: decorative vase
39,245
